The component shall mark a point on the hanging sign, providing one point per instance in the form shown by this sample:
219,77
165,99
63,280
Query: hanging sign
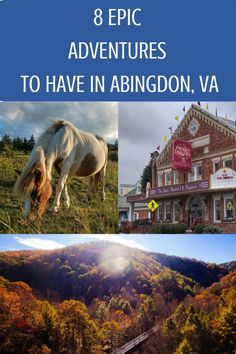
181,155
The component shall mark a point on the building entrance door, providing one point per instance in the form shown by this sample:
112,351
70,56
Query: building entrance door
195,216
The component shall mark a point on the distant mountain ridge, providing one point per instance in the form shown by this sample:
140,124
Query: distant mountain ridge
88,271
202,272
231,266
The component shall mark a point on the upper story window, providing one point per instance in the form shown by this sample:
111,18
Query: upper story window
227,161
176,177
160,179
168,178
216,166
196,173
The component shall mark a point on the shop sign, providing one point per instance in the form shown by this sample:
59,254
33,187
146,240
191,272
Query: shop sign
181,188
182,155
223,178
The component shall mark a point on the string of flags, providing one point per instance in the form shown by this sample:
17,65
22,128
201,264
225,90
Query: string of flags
178,116
171,129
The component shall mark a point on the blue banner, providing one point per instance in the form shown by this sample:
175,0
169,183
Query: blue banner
117,50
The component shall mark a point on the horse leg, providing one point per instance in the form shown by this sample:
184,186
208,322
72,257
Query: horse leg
66,194
90,187
67,197
102,178
96,180
59,188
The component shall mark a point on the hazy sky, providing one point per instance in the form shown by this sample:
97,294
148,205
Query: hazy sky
209,248
26,118
142,126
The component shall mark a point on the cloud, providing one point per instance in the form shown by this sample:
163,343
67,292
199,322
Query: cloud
39,243
118,239
26,118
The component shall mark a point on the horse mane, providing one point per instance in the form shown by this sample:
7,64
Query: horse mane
25,182
45,137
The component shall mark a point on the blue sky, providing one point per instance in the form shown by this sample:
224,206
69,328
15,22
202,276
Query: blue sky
209,248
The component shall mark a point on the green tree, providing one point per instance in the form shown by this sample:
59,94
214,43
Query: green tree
147,171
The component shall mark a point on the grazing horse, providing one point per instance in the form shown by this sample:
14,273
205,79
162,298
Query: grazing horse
72,152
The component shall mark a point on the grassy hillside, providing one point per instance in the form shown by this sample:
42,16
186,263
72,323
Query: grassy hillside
92,217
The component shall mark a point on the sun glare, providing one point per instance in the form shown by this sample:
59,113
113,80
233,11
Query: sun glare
113,261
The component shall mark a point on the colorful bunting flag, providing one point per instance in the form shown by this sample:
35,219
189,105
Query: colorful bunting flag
199,103
226,117
177,118
216,112
183,108
164,138
206,107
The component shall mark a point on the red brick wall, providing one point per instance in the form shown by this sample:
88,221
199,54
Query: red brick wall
143,214
218,139
219,142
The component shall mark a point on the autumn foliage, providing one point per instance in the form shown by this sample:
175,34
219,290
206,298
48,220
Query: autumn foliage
92,299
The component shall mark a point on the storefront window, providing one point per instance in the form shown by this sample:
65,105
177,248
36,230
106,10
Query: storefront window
228,208
168,178
196,173
176,212
217,211
168,212
160,213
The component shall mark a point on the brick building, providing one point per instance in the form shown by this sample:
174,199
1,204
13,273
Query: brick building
207,195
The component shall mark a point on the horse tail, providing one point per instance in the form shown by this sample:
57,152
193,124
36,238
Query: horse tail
105,147
34,172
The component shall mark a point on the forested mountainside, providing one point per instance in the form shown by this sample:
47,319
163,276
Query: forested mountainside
75,272
95,270
203,324
93,298
201,272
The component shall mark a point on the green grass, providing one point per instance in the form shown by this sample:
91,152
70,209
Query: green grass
95,216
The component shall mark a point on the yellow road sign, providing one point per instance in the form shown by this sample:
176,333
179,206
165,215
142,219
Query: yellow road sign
229,205
152,205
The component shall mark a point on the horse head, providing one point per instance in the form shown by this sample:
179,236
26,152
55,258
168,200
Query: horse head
34,185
